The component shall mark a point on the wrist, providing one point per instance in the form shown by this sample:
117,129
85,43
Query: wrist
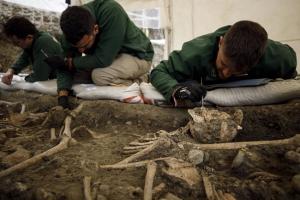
62,93
10,71
69,63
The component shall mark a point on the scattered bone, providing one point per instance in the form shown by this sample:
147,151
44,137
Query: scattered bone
182,171
157,190
130,152
66,137
23,109
135,143
238,145
129,165
211,126
52,134
135,147
209,190
170,196
151,170
220,195
160,143
87,187
238,159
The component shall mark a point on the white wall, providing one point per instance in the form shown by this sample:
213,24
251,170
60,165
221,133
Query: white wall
192,18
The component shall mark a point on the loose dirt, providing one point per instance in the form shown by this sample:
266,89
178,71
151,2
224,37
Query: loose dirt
265,172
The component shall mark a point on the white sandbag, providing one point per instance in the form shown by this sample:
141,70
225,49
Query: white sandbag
19,83
45,87
126,94
273,92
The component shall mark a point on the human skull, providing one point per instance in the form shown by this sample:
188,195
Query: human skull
212,126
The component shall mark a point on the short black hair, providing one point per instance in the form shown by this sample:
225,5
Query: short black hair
20,27
75,22
244,44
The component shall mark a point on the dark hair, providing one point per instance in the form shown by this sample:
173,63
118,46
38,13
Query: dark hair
76,22
20,27
244,44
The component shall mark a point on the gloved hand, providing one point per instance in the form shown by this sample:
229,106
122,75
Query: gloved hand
63,101
189,90
57,62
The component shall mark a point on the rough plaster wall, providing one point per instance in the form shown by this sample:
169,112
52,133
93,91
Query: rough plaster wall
192,18
44,20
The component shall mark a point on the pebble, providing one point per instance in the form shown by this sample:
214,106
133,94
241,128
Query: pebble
129,123
196,156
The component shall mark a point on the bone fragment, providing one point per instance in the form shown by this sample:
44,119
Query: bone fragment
151,170
209,190
129,165
66,137
161,142
87,187
52,134
238,145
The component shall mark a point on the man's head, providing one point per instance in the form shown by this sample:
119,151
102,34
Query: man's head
79,27
241,48
20,31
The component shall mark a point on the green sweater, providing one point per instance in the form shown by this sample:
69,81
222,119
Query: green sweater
117,35
196,61
42,43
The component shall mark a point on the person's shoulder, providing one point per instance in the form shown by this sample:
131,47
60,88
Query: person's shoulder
96,5
46,37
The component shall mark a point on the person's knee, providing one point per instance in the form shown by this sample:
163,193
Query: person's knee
99,77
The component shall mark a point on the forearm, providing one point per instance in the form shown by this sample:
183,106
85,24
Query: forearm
64,80
163,82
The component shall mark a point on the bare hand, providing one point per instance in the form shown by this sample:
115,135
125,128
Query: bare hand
7,77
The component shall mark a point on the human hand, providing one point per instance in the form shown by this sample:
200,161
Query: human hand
189,90
8,76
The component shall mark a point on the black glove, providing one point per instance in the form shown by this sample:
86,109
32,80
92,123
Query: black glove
189,90
63,101
57,62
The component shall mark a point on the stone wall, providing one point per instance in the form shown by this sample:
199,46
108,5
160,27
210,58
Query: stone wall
44,20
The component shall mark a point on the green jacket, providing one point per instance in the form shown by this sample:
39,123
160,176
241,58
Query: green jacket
196,61
43,43
117,34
